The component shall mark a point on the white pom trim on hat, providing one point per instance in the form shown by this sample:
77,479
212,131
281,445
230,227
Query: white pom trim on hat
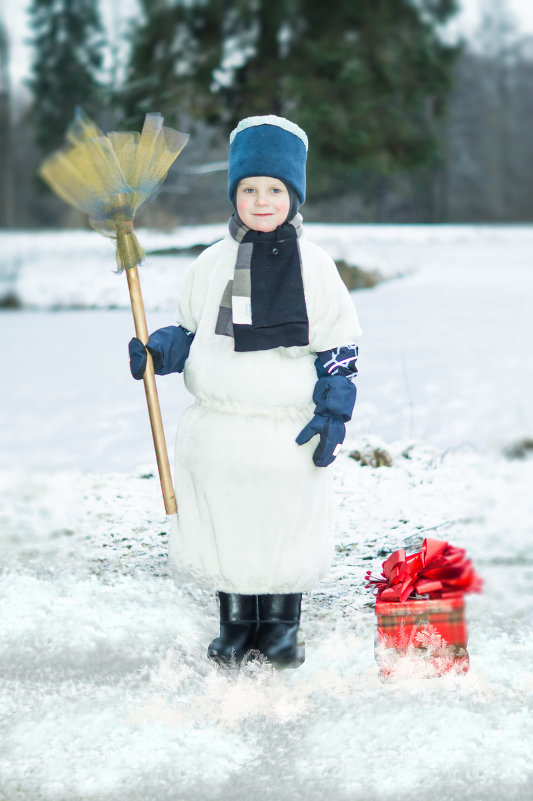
270,119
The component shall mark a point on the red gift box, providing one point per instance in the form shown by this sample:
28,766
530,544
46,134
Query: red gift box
431,631
420,610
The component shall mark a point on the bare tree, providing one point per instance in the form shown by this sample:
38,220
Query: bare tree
490,117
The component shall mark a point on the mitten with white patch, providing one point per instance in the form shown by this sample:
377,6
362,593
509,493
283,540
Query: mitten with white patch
334,396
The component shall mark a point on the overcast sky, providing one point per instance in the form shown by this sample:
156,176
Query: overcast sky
115,14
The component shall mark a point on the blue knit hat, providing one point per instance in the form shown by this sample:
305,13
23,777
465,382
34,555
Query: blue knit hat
268,145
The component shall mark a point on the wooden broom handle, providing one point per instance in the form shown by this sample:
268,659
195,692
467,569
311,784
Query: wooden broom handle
154,410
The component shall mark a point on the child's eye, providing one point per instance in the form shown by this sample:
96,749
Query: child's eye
248,190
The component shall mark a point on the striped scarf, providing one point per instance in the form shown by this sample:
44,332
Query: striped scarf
263,305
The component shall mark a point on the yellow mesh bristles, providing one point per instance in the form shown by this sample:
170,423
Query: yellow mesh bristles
109,177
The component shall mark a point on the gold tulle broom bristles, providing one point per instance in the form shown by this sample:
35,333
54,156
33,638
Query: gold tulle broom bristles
110,176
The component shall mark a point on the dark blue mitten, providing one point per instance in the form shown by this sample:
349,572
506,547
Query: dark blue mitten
137,358
334,396
169,348
331,430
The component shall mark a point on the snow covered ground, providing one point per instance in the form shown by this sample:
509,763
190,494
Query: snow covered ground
105,691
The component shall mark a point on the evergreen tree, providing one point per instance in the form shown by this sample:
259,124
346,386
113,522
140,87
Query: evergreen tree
6,203
67,59
367,79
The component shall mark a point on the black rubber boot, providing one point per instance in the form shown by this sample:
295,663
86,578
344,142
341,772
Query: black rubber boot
238,626
277,634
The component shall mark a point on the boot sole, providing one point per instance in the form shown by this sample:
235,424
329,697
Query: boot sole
236,662
232,661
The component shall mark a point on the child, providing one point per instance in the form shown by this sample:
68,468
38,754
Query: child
265,328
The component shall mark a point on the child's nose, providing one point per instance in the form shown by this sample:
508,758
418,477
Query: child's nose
261,200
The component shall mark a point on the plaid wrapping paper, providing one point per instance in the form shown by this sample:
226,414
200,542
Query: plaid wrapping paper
396,621
437,626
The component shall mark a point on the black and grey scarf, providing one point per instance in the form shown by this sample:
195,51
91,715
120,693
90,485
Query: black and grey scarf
263,306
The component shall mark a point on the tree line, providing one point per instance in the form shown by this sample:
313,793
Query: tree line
403,125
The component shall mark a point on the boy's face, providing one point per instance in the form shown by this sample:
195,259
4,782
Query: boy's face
262,203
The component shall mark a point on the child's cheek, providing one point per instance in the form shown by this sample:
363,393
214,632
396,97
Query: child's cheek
285,207
242,206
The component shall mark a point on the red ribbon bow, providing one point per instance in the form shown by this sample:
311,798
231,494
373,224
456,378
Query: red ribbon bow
438,570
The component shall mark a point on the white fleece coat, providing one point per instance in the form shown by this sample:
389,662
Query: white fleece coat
253,511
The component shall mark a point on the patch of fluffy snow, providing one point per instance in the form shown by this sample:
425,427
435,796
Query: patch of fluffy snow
107,691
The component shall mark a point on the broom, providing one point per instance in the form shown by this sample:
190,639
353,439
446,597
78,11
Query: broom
109,177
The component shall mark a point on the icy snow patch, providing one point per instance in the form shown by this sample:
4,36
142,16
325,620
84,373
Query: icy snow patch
107,692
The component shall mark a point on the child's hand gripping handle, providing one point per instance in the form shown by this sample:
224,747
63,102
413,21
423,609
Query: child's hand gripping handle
169,348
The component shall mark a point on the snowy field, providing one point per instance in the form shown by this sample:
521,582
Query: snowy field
105,690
